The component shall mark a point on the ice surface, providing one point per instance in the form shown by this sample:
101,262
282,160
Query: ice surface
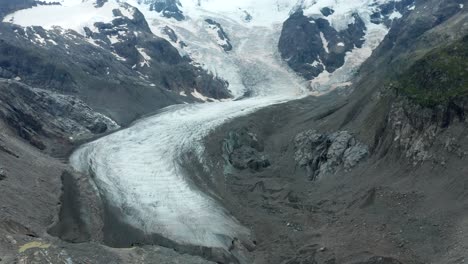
140,168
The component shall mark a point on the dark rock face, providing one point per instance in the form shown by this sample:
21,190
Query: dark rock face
9,6
322,154
155,58
37,114
311,45
170,33
168,8
427,99
3,174
100,3
383,15
139,71
326,11
224,41
243,151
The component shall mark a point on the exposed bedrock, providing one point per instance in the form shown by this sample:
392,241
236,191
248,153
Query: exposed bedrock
44,117
243,150
311,45
321,154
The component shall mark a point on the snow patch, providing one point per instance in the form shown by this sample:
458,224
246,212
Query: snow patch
113,39
71,14
344,10
200,96
146,58
395,15
328,81
213,31
324,42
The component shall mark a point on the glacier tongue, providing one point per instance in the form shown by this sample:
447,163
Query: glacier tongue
139,169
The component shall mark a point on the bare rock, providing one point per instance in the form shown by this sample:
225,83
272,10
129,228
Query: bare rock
243,150
3,174
322,154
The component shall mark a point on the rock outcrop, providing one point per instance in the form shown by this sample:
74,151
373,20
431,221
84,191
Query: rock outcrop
37,113
9,6
167,8
222,37
243,150
311,45
322,154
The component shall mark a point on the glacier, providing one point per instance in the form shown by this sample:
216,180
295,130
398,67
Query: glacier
140,169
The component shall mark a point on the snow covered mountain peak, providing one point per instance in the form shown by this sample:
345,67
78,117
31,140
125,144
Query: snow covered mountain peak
69,14
340,12
259,13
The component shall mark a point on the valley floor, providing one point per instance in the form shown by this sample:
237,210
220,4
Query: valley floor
383,211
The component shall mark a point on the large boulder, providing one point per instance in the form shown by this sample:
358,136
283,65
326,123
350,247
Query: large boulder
322,154
243,150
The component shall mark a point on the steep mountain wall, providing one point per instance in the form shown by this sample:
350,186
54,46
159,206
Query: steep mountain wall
9,6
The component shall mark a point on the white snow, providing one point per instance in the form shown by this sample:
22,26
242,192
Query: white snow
340,44
146,57
315,63
113,39
395,15
198,95
263,12
344,10
324,42
72,14
128,11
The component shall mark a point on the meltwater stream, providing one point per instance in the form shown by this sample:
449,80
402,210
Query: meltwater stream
139,169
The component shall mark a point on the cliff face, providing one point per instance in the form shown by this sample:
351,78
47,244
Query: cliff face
9,6
69,63
316,42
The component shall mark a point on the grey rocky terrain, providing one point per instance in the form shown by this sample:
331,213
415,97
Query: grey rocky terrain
375,174
401,197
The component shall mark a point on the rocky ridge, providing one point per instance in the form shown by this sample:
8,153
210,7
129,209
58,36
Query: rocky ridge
38,114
